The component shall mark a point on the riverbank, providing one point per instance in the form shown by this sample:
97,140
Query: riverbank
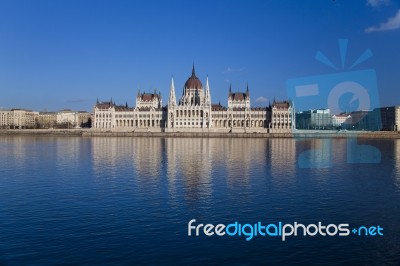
299,134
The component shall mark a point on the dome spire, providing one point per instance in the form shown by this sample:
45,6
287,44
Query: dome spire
193,71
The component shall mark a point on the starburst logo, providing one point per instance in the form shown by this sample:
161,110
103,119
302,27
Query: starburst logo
352,92
343,52
359,95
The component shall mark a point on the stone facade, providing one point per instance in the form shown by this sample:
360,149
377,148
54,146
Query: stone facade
339,120
47,119
18,119
194,112
282,117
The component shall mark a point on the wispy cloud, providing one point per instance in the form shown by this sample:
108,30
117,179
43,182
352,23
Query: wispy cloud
375,3
231,70
391,24
261,100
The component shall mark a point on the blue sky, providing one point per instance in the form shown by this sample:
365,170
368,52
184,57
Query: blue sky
65,54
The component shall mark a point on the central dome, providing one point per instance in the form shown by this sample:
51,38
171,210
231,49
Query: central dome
193,82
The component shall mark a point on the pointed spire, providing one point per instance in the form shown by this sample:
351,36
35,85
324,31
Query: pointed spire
172,98
97,100
208,95
193,71
172,83
126,104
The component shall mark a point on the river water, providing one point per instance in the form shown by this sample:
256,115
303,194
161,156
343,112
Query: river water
124,201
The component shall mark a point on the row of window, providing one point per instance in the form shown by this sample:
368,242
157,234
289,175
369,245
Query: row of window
108,115
239,123
190,123
124,116
104,115
189,113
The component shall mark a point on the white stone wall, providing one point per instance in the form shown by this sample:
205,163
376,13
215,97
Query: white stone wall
337,121
5,117
18,118
238,103
104,118
397,118
282,120
67,117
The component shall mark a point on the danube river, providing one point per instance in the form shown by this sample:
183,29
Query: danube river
124,201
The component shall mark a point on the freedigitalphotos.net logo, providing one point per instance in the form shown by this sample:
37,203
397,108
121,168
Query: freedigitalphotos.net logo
350,91
280,230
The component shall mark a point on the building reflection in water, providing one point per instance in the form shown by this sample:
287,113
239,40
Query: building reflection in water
16,149
202,163
69,153
194,166
317,154
396,155
282,158
189,162
66,154
147,159
114,155
108,154
242,158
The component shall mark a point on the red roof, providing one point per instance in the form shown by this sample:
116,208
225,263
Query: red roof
217,107
284,104
238,96
148,96
193,82
104,105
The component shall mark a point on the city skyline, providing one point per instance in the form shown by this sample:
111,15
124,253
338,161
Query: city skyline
57,55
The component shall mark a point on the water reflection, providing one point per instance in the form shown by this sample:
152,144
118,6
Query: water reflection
140,190
396,150
65,153
15,149
194,163
68,151
109,153
282,154
189,159
146,154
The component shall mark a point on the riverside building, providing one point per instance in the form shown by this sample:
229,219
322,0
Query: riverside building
194,111
18,119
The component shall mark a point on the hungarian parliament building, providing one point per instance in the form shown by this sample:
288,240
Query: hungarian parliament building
194,112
